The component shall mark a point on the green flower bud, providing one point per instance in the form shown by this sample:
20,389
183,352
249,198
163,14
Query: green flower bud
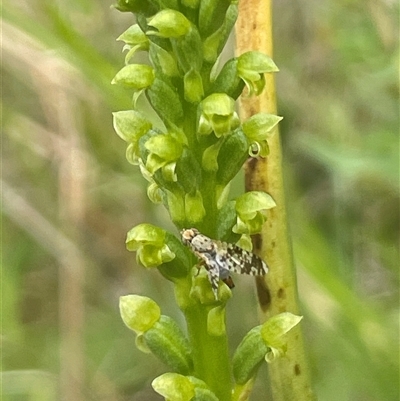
149,243
169,24
216,321
228,80
166,102
139,313
273,331
163,61
214,44
248,356
231,157
167,342
164,150
136,76
193,86
249,208
218,115
194,208
258,129
174,387
251,68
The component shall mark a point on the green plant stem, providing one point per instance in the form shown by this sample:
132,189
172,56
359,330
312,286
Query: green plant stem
210,353
277,292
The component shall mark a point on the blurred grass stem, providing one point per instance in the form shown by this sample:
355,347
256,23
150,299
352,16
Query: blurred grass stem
277,292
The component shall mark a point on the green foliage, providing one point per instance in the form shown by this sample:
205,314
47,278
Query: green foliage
338,91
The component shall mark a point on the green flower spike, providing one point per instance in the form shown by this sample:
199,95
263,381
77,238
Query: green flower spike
250,212
258,129
251,68
164,151
149,243
218,115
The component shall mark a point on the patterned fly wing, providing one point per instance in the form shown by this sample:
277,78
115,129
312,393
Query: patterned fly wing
221,258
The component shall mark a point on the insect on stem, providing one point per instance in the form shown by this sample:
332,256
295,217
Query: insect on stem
221,258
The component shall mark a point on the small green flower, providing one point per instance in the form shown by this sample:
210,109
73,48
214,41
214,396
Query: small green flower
131,125
139,313
169,24
258,129
262,342
273,331
250,212
164,151
251,68
174,387
218,115
149,243
135,76
135,40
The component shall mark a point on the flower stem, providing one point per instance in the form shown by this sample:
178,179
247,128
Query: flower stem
210,353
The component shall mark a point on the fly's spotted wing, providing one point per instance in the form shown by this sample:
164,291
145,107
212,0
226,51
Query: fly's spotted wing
221,258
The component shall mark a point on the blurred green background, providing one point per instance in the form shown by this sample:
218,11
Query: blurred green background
69,197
